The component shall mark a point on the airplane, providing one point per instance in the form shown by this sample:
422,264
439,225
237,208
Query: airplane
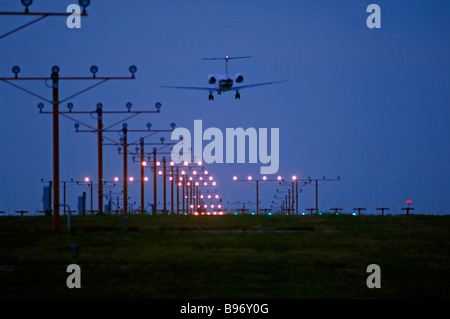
224,82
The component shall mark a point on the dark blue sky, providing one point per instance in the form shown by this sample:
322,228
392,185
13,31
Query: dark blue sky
371,106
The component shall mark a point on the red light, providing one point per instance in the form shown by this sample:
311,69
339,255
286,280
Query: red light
409,202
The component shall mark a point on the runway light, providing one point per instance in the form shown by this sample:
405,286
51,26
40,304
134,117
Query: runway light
190,178
213,183
179,184
200,178
183,172
212,205
160,172
145,179
199,163
196,183
205,183
264,178
116,179
279,178
209,196
144,163
188,184
294,178
86,179
170,178
201,196
131,178
194,172
219,206
206,172
234,178
172,163
185,163
158,163
210,178
217,196
249,178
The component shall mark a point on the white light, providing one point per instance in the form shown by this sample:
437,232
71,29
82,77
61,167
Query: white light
188,184
234,178
294,178
185,163
214,183
158,163
160,172
144,163
219,206
279,178
264,178
172,163
217,196
199,163
209,196
146,179
116,179
206,172
86,179
131,178
205,183
190,178
200,178
249,178
183,172
210,178
212,205
170,178
194,172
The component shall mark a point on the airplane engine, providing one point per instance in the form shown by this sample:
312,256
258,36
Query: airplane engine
239,78
211,79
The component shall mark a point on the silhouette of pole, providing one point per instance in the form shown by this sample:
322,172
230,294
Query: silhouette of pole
164,185
55,77
178,192
125,172
171,188
359,209
142,175
100,156
154,182
257,197
382,210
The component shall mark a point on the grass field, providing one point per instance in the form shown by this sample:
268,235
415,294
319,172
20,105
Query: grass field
227,256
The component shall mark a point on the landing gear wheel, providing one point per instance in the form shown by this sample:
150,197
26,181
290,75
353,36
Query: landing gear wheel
210,97
237,96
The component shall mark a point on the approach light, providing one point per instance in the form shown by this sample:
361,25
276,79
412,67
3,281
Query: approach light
15,70
132,70
160,172
194,172
27,3
84,3
162,139
144,163
183,172
40,106
279,178
128,106
199,163
172,125
131,178
213,183
77,126
234,178
55,69
149,125
294,178
158,163
86,179
249,178
70,106
185,163
145,179
116,179
264,178
124,126
158,105
94,69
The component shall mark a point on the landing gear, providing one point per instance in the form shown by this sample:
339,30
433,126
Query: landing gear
237,96
211,96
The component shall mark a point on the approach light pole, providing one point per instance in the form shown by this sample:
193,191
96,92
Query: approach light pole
55,101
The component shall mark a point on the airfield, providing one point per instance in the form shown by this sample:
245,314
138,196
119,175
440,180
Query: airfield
229,256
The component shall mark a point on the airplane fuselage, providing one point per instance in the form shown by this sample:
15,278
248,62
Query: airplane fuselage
225,83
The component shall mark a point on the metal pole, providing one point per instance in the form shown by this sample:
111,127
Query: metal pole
257,197
154,182
317,197
92,188
55,77
296,197
178,193
182,185
164,186
142,177
171,187
100,157
125,173
289,201
64,195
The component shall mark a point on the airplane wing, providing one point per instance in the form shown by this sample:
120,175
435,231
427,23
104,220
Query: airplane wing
254,85
191,88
